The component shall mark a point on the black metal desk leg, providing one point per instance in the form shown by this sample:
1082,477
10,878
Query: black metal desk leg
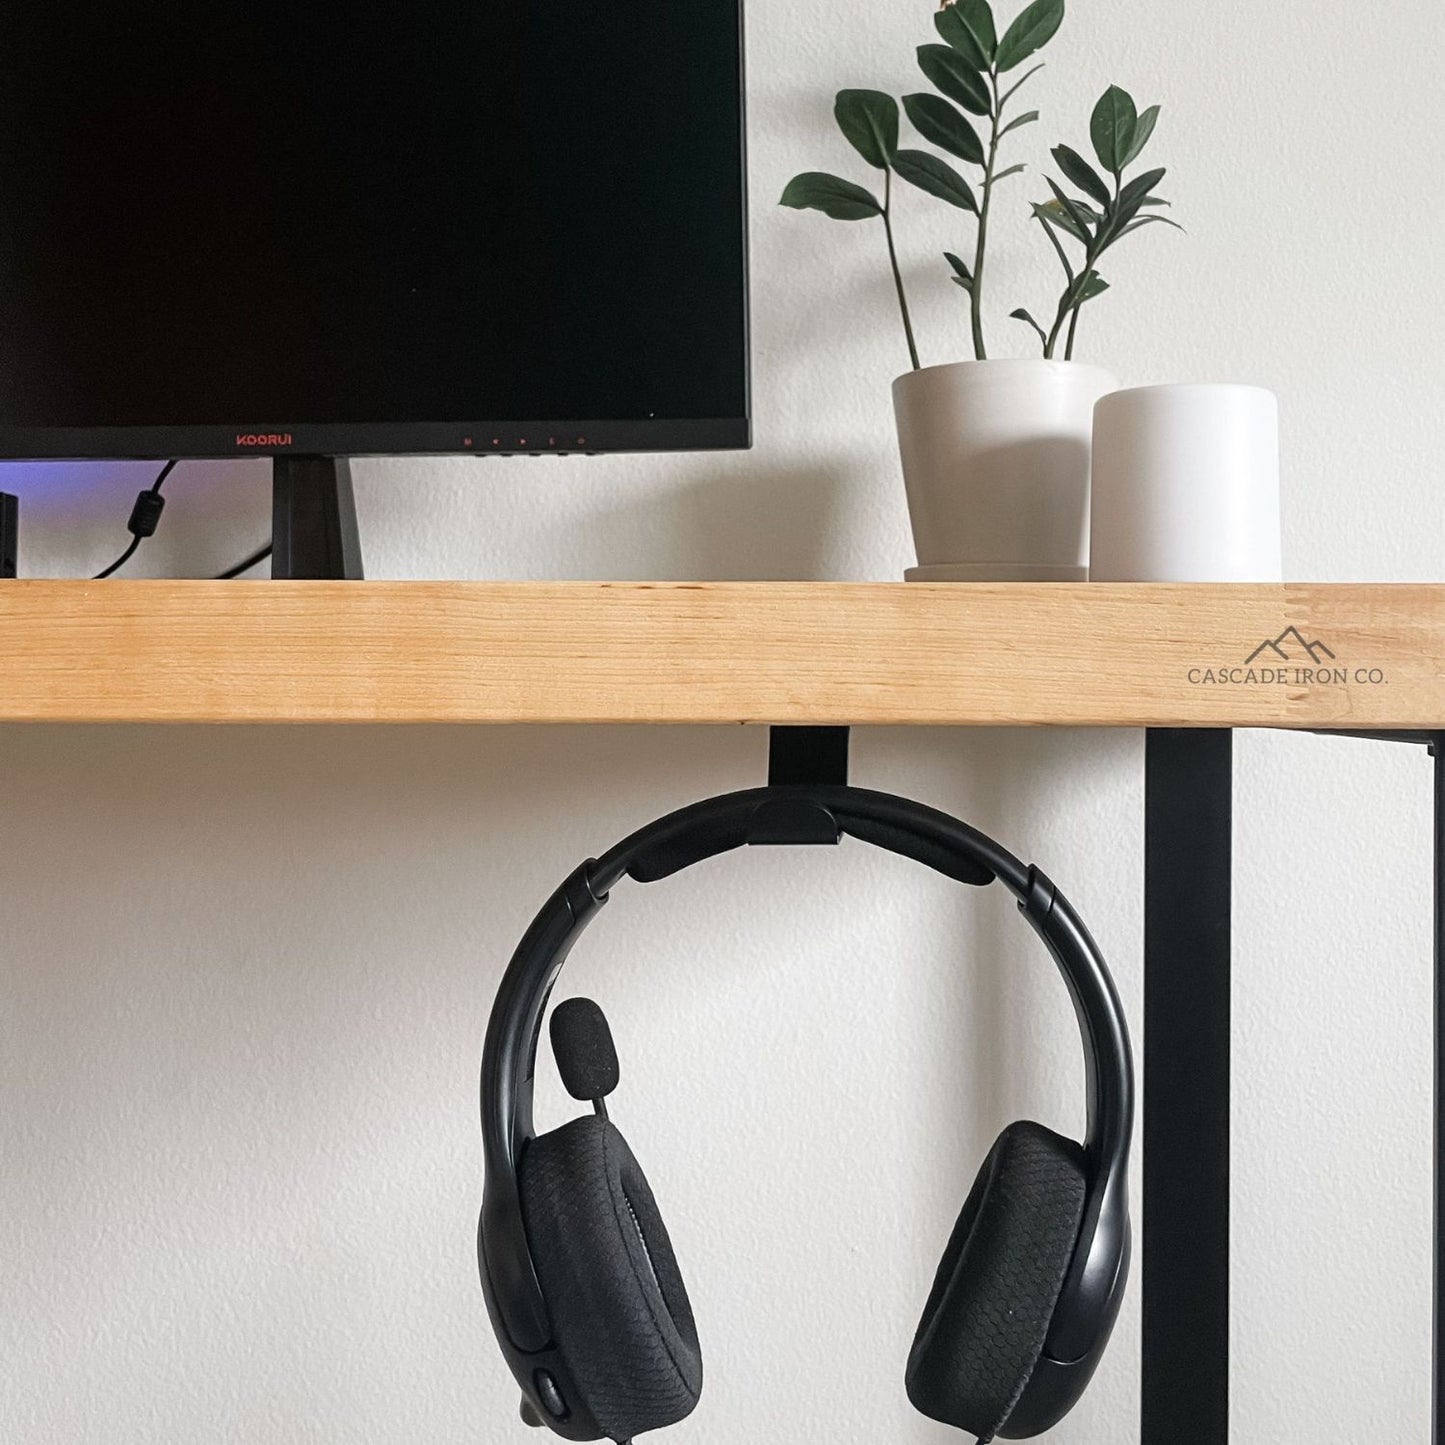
1187,857
1437,1404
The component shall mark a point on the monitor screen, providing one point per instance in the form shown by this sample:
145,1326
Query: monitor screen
371,226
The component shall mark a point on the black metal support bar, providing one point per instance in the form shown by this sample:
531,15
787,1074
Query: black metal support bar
1416,738
1188,854
313,520
807,755
9,535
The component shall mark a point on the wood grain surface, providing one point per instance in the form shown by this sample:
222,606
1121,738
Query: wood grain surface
1300,655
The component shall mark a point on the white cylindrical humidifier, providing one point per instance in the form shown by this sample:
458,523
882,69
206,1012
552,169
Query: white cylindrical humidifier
1186,485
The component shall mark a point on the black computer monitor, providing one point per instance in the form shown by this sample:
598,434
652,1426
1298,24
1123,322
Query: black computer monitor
346,228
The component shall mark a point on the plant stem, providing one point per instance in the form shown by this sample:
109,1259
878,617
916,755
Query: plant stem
1068,275
1072,301
980,253
1066,308
1051,341
1098,248
897,274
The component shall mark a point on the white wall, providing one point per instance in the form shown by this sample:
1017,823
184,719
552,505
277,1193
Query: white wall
247,971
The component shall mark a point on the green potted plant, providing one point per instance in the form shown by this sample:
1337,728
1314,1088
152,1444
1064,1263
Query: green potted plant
995,452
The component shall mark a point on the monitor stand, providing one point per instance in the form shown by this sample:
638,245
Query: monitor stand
313,520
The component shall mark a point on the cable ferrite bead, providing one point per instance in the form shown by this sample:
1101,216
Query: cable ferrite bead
145,516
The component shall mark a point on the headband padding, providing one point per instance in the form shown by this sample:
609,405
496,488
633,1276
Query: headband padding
619,1309
992,1302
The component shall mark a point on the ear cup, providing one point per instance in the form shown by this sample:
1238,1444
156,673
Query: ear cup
619,1309
988,1314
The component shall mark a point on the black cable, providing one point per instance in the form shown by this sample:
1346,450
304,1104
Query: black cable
251,561
145,516
119,561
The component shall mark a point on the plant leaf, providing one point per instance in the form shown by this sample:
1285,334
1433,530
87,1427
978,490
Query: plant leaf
1032,30
1008,171
949,73
942,124
1083,175
958,37
1022,315
1131,199
1145,220
1078,213
960,270
936,177
1112,128
1137,191
1041,213
1027,118
1143,129
978,16
835,197
1090,284
869,119
967,25
1007,95
1054,213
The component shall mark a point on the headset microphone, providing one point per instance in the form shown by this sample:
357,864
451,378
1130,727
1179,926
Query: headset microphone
586,1055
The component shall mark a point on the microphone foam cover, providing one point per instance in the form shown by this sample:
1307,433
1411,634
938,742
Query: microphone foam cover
582,1043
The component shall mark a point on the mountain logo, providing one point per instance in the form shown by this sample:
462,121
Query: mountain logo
1316,651
1289,660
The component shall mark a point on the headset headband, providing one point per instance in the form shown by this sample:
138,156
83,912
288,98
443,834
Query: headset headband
803,813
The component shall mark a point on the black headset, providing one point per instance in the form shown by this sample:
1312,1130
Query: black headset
581,1283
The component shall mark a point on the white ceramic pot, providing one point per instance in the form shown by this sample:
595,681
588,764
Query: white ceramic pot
1186,485
996,465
